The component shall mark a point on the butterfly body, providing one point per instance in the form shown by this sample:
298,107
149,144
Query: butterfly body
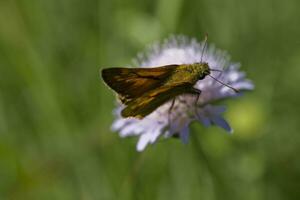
188,73
143,90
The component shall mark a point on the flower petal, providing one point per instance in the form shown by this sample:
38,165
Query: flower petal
222,123
184,134
143,141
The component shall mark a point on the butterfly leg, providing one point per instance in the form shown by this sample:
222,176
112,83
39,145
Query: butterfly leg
169,112
197,92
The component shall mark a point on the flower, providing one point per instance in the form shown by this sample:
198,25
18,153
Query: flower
161,122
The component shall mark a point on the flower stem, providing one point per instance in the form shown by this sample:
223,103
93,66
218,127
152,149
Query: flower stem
220,188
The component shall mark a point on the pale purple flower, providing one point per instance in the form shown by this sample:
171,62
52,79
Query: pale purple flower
181,50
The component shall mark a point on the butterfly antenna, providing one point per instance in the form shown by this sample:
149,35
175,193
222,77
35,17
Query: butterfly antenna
216,70
237,91
204,46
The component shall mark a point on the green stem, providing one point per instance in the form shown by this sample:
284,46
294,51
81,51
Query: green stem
218,183
129,185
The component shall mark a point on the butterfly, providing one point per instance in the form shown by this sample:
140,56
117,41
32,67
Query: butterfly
143,90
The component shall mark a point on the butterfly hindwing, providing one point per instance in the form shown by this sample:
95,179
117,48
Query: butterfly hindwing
131,83
146,104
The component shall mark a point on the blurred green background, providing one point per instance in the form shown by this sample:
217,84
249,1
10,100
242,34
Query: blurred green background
55,113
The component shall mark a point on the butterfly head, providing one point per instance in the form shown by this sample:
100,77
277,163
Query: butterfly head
202,69
206,69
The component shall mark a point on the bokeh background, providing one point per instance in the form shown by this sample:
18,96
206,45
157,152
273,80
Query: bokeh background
56,113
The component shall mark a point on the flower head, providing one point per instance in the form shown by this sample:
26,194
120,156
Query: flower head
161,122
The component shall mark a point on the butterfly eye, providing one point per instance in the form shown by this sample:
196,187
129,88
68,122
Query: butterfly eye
201,76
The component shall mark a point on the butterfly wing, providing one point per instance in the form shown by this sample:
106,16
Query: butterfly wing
131,83
146,104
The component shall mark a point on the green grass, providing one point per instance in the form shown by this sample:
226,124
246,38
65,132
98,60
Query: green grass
55,113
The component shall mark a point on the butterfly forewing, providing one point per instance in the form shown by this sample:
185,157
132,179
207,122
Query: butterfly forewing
131,83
